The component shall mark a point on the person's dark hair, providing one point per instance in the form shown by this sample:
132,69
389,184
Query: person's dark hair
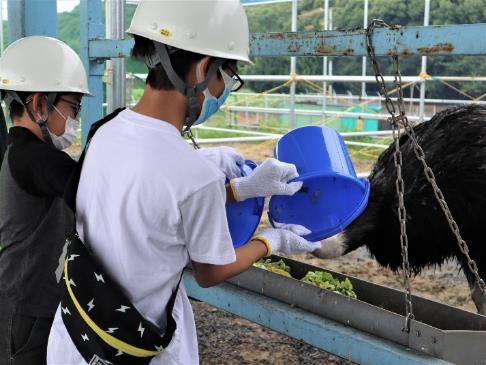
16,110
181,61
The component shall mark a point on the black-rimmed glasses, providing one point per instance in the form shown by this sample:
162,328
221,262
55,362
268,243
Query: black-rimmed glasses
237,80
76,107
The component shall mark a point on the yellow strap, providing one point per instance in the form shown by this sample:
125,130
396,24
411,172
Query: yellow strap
110,340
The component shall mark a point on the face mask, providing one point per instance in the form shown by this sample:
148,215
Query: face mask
67,138
212,104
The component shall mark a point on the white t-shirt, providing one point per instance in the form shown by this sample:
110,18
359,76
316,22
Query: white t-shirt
147,203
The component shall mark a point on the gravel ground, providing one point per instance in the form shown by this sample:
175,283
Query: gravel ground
227,339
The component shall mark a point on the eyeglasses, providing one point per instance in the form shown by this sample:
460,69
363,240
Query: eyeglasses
76,107
236,81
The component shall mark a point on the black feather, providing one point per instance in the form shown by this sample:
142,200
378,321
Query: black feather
454,142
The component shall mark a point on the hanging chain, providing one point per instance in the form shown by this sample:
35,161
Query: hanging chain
398,120
397,159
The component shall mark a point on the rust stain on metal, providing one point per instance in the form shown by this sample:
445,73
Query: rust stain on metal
277,35
348,52
321,49
440,47
293,48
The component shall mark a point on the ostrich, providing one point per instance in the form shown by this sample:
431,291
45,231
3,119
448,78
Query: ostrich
454,143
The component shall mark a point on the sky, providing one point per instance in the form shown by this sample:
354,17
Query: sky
66,5
62,5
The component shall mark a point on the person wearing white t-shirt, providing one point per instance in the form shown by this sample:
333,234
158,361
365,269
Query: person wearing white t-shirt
148,204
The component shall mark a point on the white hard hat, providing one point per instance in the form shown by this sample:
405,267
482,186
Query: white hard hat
217,28
42,64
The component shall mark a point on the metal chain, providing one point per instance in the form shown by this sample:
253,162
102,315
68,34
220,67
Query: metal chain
188,132
396,121
397,159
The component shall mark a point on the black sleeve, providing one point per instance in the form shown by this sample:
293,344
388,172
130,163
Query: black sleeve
40,169
3,135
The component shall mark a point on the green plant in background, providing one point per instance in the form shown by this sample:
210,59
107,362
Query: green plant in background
137,94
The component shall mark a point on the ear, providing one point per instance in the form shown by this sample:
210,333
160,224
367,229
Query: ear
39,105
202,67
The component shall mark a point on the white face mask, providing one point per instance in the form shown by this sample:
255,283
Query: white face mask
67,138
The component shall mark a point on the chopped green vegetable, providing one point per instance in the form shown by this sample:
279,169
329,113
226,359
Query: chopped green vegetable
322,279
278,267
325,280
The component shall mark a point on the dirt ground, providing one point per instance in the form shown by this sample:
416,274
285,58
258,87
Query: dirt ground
231,340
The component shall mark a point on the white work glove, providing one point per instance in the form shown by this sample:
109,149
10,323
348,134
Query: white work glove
269,178
227,160
287,239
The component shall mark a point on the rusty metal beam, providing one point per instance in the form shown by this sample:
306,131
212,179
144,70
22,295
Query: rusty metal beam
457,39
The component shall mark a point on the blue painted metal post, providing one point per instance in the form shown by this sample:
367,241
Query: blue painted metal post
31,17
91,27
41,17
16,24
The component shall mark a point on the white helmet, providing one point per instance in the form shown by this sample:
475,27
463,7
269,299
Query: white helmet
217,28
42,64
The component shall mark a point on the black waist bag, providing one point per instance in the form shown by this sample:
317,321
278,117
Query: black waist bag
105,327
101,321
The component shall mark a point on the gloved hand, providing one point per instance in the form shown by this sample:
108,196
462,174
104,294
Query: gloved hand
227,159
287,239
270,178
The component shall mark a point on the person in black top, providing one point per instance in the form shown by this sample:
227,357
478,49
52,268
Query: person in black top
42,81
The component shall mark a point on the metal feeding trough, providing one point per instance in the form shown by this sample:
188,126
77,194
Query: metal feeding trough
438,330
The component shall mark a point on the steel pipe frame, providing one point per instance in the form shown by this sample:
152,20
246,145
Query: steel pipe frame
356,97
343,134
252,109
115,29
270,138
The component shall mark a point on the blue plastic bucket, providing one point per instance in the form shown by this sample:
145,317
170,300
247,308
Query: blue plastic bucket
244,217
332,196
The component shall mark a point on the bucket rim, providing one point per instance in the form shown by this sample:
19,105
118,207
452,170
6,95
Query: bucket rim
318,235
360,207
249,207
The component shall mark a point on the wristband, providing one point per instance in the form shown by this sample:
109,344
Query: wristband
265,242
233,190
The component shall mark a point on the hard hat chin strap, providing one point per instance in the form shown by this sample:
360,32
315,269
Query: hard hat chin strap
51,97
161,56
